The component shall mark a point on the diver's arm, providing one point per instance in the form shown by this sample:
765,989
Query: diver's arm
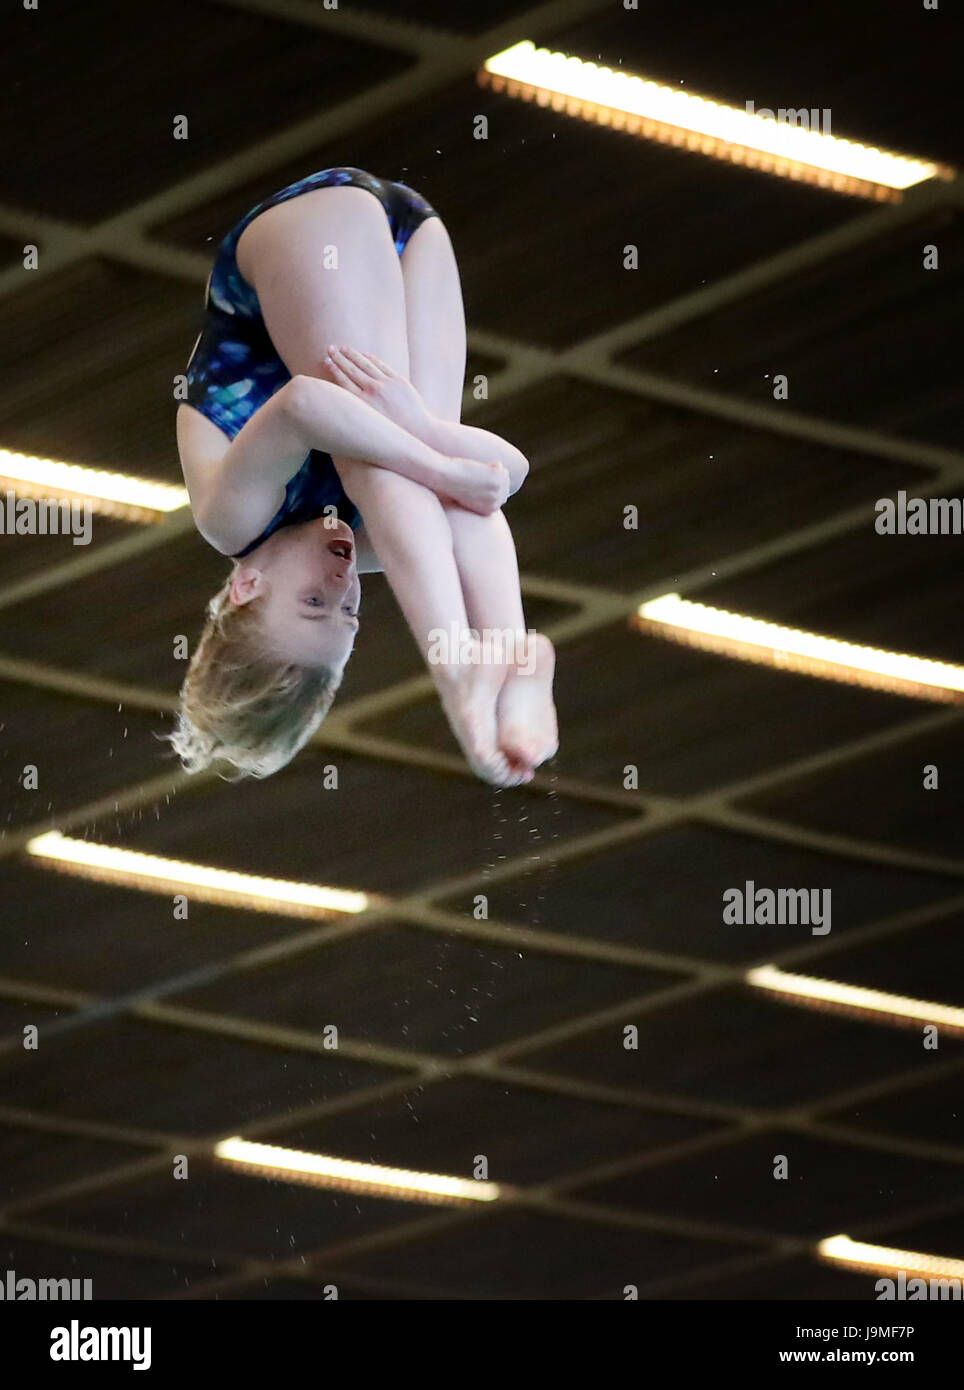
367,378
244,487
319,415
340,424
470,442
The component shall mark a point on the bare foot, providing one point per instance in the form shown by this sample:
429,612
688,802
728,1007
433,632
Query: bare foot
479,487
528,733
469,692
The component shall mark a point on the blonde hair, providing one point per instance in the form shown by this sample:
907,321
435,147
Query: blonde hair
241,704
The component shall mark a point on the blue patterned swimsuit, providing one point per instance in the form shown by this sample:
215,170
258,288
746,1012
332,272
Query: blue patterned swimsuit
234,367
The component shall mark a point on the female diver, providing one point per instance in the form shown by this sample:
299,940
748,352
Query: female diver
321,439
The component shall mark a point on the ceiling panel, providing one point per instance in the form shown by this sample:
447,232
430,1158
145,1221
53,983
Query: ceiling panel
922,963
941,1234
87,367
443,15
11,252
332,832
288,1290
930,1111
825,1184
81,751
29,557
704,489
234,1214
882,797
883,591
125,619
554,1258
737,1047
102,129
780,1280
199,1083
112,1275
100,938
526,1135
17,1014
810,327
664,892
32,1159
418,990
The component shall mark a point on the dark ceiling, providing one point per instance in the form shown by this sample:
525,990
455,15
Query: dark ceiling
158,1037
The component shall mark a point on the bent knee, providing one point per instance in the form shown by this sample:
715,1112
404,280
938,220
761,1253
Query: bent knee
301,395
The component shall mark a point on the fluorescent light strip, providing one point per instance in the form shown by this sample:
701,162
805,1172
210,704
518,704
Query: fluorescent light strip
884,1259
853,998
752,639
323,1171
109,494
619,99
157,875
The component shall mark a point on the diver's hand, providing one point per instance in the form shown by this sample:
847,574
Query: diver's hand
478,487
386,390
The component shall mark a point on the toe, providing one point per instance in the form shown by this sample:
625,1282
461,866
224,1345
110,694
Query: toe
522,748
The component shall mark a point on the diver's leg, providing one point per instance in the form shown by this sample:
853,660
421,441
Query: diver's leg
418,560
484,549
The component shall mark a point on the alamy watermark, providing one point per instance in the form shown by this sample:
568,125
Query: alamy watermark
804,117
918,516
752,906
27,1290
45,516
490,646
915,1289
76,1343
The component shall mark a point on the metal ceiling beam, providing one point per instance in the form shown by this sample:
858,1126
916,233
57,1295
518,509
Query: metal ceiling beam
917,204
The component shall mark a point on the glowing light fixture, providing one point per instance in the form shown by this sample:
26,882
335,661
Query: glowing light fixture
853,999
752,639
883,1259
109,494
655,112
319,1170
148,871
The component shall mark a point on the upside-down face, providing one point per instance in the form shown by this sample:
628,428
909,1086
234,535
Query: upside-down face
309,594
